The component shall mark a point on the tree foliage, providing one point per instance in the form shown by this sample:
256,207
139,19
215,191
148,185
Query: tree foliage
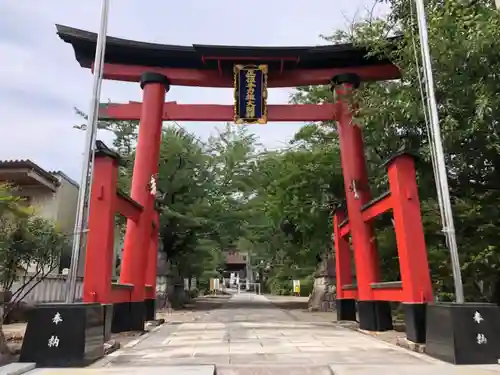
30,247
463,41
27,241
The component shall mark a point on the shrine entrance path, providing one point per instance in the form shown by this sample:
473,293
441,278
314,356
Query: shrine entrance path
249,330
250,335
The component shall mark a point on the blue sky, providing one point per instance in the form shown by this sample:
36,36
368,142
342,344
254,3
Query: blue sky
41,82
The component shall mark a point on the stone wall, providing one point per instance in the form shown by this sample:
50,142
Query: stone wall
322,297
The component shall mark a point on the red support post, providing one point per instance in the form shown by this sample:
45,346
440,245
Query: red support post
373,315
412,252
342,255
413,262
152,263
345,300
357,192
101,224
145,167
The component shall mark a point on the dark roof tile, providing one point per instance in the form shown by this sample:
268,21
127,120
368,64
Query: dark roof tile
28,164
197,56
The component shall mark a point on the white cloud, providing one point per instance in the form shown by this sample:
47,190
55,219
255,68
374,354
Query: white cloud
41,81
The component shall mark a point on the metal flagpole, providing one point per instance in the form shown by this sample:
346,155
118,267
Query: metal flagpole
96,115
440,175
87,168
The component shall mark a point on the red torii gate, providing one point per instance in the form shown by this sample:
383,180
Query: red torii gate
157,68
217,112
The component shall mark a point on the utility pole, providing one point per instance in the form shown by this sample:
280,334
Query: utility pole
82,209
440,174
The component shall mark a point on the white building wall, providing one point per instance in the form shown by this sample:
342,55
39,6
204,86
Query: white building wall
43,200
66,200
57,206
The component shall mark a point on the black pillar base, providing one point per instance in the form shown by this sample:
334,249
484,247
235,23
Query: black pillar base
375,316
415,321
137,315
128,316
108,320
463,334
150,309
367,319
64,335
121,317
346,309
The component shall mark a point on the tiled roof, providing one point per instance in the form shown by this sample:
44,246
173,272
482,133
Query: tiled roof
28,164
213,57
234,257
66,177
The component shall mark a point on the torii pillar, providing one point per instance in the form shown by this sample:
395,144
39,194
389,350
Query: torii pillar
137,235
373,315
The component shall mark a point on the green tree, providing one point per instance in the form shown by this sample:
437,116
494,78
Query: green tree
290,225
27,242
463,42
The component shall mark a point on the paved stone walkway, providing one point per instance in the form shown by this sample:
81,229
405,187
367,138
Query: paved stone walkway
249,335
249,329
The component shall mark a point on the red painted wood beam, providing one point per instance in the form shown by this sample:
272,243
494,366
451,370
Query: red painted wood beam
150,291
211,78
128,208
377,208
350,294
214,112
344,230
120,293
388,294
250,58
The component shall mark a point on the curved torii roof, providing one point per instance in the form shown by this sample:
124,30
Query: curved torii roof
214,57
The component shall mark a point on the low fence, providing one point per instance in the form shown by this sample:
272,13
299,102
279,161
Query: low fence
52,288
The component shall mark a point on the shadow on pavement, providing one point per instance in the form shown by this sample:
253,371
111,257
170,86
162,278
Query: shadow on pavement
290,305
211,302
205,303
